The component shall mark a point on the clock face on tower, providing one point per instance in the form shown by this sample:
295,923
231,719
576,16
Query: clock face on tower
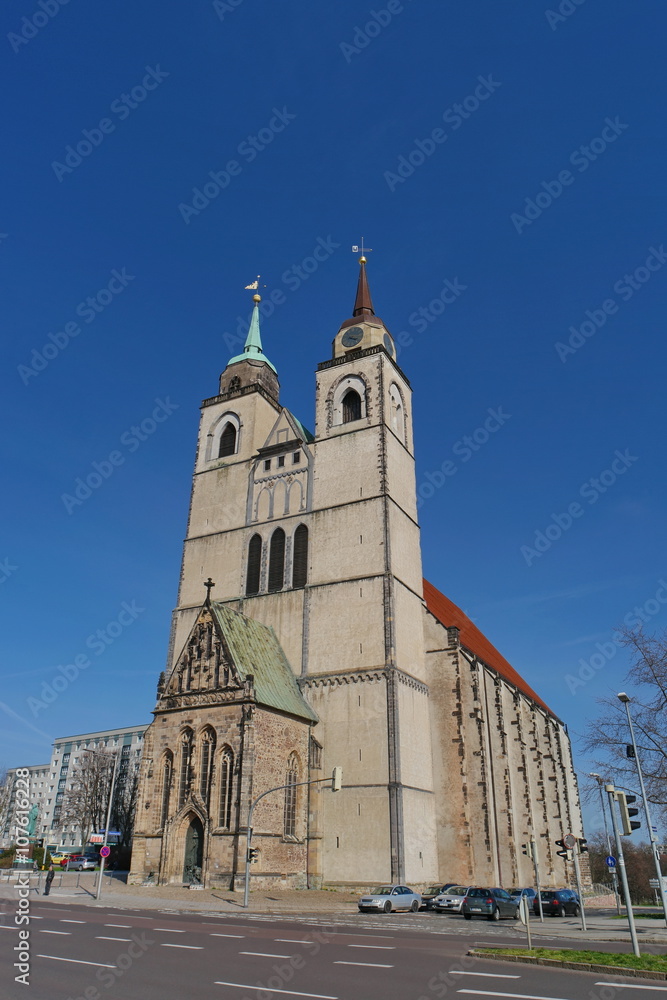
352,336
388,343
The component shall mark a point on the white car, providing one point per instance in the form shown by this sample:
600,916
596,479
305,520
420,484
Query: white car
452,900
386,898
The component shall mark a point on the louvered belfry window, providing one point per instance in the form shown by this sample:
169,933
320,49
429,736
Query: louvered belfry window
351,406
300,558
254,565
277,560
227,441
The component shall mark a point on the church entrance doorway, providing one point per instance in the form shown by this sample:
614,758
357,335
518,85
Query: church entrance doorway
194,852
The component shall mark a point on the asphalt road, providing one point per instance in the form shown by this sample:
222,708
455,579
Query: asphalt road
98,954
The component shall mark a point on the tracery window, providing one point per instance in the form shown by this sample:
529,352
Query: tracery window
167,770
206,764
226,788
291,779
186,767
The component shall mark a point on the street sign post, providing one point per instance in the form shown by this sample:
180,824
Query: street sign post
105,851
610,861
569,840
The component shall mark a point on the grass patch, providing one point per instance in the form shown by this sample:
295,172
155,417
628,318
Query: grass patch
641,916
649,963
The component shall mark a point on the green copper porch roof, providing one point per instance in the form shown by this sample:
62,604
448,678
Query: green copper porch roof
255,650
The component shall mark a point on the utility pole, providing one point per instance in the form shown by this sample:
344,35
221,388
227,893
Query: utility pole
614,876
106,825
611,792
622,696
536,866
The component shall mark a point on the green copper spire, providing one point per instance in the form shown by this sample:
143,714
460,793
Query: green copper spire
253,345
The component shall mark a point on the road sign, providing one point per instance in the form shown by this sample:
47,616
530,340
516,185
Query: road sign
569,840
105,852
610,861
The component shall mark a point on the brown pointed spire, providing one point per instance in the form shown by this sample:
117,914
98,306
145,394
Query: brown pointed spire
363,304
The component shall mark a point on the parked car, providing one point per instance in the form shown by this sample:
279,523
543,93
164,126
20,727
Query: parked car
428,895
490,903
557,902
60,859
450,901
80,863
390,897
518,893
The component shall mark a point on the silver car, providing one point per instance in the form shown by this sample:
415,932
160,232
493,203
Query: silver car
386,898
452,900
80,863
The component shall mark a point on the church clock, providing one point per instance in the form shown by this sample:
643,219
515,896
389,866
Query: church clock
352,336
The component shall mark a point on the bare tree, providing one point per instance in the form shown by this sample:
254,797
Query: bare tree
85,801
125,800
608,737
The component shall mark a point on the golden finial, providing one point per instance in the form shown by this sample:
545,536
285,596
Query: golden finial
363,250
362,260
257,298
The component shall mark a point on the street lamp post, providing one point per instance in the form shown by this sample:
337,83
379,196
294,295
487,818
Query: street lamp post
623,697
614,876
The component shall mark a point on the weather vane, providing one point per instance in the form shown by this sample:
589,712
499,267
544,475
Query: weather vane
254,285
362,249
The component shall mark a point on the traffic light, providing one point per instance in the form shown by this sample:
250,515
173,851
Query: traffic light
336,779
565,852
583,848
628,824
253,855
630,750
526,849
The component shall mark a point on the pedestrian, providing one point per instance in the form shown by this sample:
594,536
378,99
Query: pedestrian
50,875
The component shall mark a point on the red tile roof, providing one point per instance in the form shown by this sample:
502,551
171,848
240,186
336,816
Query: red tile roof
449,615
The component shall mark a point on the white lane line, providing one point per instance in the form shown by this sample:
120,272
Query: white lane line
6,927
213,934
64,921
102,937
488,975
69,933
78,961
292,941
516,996
370,965
126,926
263,954
631,986
292,993
168,930
192,947
380,947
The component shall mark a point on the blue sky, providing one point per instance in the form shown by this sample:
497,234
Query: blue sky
515,153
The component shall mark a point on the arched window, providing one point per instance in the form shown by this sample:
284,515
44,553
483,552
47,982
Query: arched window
291,779
226,786
206,764
351,406
227,441
300,557
254,565
167,770
277,560
186,767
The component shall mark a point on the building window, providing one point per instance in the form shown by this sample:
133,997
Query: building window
227,441
281,461
351,406
291,778
186,767
300,557
277,560
226,787
167,768
206,764
296,458
254,565
267,464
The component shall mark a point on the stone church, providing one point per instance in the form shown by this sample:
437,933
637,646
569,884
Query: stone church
305,638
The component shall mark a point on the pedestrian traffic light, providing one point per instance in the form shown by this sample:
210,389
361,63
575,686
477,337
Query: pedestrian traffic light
583,848
253,855
565,852
628,824
337,779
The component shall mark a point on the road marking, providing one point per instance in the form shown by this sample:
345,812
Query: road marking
382,947
631,986
102,937
213,934
292,993
292,941
69,933
192,947
126,926
78,961
65,921
370,965
263,954
6,927
168,930
520,996
489,975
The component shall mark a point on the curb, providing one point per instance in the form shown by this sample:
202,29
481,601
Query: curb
610,970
